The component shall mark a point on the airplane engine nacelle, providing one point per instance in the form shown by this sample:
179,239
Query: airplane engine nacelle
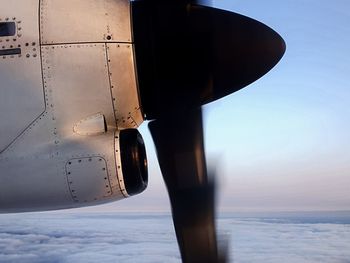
69,105
114,168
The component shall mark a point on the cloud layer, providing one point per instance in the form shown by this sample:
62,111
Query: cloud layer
99,237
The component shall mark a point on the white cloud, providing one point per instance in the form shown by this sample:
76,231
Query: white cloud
99,237
273,241
55,237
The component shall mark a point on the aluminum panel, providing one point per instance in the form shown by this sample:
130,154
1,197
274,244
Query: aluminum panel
82,21
78,86
88,179
21,88
77,83
124,85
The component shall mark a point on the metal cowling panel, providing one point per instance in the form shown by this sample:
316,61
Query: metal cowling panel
84,21
21,87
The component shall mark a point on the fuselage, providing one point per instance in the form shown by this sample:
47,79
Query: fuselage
67,87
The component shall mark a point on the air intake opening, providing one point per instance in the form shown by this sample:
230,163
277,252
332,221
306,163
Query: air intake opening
133,161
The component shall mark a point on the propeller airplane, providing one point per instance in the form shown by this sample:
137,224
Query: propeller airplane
79,77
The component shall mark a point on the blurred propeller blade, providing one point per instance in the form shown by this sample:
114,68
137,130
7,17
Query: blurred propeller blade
188,55
180,150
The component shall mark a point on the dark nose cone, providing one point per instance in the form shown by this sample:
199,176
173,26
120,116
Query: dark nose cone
189,55
242,50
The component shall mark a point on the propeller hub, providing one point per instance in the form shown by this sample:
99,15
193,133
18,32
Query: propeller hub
188,55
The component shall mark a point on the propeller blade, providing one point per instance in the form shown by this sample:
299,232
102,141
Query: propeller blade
188,55
180,151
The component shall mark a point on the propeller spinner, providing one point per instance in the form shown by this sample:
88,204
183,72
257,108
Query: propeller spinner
188,55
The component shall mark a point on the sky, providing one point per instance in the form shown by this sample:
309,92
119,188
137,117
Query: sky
282,143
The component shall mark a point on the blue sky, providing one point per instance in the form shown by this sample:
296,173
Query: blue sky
283,142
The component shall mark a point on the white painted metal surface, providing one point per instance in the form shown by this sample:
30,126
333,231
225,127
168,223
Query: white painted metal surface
80,21
124,87
77,84
21,91
95,177
47,101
